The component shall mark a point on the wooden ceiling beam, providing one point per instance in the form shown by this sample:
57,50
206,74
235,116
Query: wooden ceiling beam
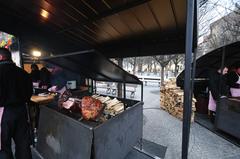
174,13
105,14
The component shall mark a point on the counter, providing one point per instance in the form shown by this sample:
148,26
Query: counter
228,116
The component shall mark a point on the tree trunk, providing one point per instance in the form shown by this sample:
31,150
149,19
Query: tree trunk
149,68
175,68
155,68
162,75
140,68
134,65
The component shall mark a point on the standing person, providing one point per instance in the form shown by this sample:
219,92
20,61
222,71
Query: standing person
15,91
217,88
35,74
45,78
233,79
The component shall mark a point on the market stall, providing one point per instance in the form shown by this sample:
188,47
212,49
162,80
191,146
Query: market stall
206,63
113,134
115,28
227,113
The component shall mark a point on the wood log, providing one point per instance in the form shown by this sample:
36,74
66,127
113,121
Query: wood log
171,100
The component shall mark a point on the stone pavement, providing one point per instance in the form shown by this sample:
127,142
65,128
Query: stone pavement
164,129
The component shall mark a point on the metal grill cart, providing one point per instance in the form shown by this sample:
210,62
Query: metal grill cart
117,29
62,135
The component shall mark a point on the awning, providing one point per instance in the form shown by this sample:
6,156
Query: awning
119,28
213,60
93,65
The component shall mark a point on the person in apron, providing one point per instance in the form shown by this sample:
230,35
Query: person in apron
234,80
217,88
15,92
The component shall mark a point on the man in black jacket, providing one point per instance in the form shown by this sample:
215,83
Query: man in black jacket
217,87
15,91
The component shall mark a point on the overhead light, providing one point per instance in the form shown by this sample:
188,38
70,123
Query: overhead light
36,53
44,13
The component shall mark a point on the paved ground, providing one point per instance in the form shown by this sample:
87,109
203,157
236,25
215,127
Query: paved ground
166,130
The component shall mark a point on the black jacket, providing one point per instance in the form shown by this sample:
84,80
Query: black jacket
35,75
217,84
232,78
15,85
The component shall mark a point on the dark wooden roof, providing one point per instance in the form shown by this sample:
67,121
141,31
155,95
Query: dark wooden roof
213,60
116,28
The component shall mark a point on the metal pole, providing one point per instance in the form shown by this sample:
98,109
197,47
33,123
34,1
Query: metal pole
20,53
87,80
141,92
220,84
187,79
193,73
124,94
222,67
92,86
95,86
196,15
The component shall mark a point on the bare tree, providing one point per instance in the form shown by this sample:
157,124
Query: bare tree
176,61
154,67
223,31
163,60
139,63
147,61
133,62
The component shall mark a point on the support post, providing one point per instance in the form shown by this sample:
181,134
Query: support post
92,86
124,94
119,85
187,79
20,53
95,86
193,72
220,84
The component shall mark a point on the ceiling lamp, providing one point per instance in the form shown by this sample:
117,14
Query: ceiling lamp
36,53
44,13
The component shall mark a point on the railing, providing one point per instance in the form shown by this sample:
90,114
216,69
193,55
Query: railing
146,79
111,88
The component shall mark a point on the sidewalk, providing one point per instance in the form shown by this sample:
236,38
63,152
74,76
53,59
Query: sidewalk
164,129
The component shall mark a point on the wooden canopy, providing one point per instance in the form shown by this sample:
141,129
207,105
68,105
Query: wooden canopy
116,28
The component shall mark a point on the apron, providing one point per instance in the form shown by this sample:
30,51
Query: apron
235,92
1,115
211,103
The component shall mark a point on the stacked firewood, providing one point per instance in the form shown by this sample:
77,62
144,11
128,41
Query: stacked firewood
112,107
171,100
